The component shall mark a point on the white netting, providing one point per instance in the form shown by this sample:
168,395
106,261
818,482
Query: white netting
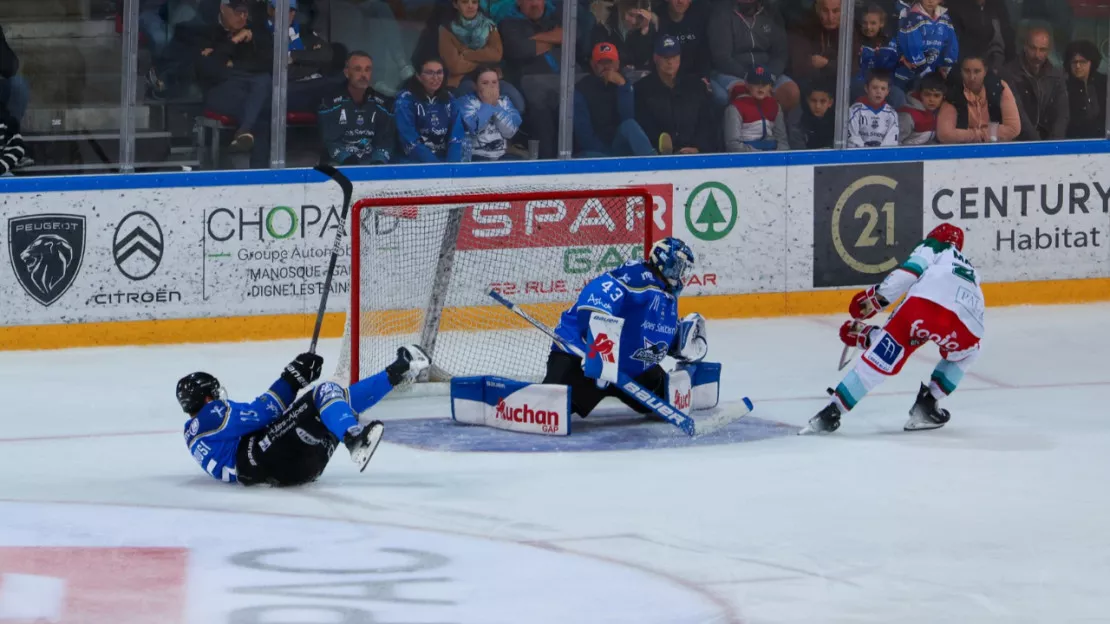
423,273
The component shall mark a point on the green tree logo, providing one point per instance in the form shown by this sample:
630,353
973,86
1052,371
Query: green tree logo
705,211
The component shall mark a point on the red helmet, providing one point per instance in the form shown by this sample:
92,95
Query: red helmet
948,233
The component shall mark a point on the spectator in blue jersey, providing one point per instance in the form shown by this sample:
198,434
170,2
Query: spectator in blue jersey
278,439
355,123
926,43
877,51
428,122
532,37
605,110
310,63
489,118
644,294
754,121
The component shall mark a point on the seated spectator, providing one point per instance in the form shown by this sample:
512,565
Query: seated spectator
983,29
872,122
818,120
159,18
469,41
877,51
501,10
814,45
926,42
755,121
604,110
632,28
488,118
1086,91
236,60
373,27
310,63
1040,90
979,107
355,124
687,22
14,92
917,119
743,34
12,152
676,110
532,42
428,121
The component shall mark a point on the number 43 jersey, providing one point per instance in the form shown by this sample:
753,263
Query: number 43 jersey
632,292
940,273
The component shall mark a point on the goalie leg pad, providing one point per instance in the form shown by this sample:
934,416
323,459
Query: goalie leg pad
705,384
513,405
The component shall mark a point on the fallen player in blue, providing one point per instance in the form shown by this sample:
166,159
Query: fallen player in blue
281,440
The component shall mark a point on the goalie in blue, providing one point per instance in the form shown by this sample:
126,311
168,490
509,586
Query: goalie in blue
627,320
281,440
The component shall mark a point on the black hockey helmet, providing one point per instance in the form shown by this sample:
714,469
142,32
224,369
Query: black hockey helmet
195,390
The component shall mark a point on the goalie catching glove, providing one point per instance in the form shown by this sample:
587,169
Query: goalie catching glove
302,371
690,343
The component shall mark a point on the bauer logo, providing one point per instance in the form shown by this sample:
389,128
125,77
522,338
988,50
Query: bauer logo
46,253
137,245
866,219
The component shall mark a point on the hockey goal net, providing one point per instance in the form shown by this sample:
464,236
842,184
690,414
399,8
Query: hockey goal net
422,267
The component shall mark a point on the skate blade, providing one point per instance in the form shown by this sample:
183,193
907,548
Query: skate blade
373,439
916,425
807,430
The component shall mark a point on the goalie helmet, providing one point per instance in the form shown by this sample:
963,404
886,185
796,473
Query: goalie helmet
195,390
948,233
674,260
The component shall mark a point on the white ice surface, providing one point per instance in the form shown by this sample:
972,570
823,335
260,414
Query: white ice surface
1002,516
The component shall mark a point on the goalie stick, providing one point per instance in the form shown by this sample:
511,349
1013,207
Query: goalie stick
345,184
659,407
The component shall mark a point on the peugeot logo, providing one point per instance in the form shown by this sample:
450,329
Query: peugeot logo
137,245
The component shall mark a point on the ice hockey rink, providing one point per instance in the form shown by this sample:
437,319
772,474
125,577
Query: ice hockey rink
1001,516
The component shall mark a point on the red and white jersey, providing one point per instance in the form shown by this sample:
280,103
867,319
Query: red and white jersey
938,272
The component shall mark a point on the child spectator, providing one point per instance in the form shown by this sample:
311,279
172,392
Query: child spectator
818,120
470,41
979,107
488,118
428,122
877,51
632,28
926,43
755,122
871,121
688,23
355,124
917,120
1086,91
676,110
604,110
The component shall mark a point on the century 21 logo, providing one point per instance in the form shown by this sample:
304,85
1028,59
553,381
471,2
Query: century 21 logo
878,226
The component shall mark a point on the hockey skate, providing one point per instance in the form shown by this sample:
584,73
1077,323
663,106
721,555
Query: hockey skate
826,421
363,444
411,361
924,414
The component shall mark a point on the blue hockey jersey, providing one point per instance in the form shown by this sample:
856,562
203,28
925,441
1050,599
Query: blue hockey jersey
632,292
213,435
927,44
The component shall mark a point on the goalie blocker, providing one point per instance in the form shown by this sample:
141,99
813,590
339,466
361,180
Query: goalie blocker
545,408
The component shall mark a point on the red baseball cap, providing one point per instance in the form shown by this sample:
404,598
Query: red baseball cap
605,51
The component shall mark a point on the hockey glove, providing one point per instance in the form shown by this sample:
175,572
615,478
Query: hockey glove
856,334
302,371
866,303
690,343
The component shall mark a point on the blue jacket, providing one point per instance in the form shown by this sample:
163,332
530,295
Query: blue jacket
927,44
600,107
430,128
877,55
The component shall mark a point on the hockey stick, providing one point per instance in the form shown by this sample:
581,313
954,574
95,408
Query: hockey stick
658,406
345,184
846,357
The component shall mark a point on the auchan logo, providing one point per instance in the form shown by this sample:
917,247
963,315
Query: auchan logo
547,420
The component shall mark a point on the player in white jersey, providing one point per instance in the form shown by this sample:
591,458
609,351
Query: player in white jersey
944,304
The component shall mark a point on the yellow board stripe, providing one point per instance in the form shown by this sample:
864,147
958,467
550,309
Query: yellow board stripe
284,326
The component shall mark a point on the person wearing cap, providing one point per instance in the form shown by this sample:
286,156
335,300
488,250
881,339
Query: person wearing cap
688,22
604,110
676,109
234,69
754,121
743,34
310,63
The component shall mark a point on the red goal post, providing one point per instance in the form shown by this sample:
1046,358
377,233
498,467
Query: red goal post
422,265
